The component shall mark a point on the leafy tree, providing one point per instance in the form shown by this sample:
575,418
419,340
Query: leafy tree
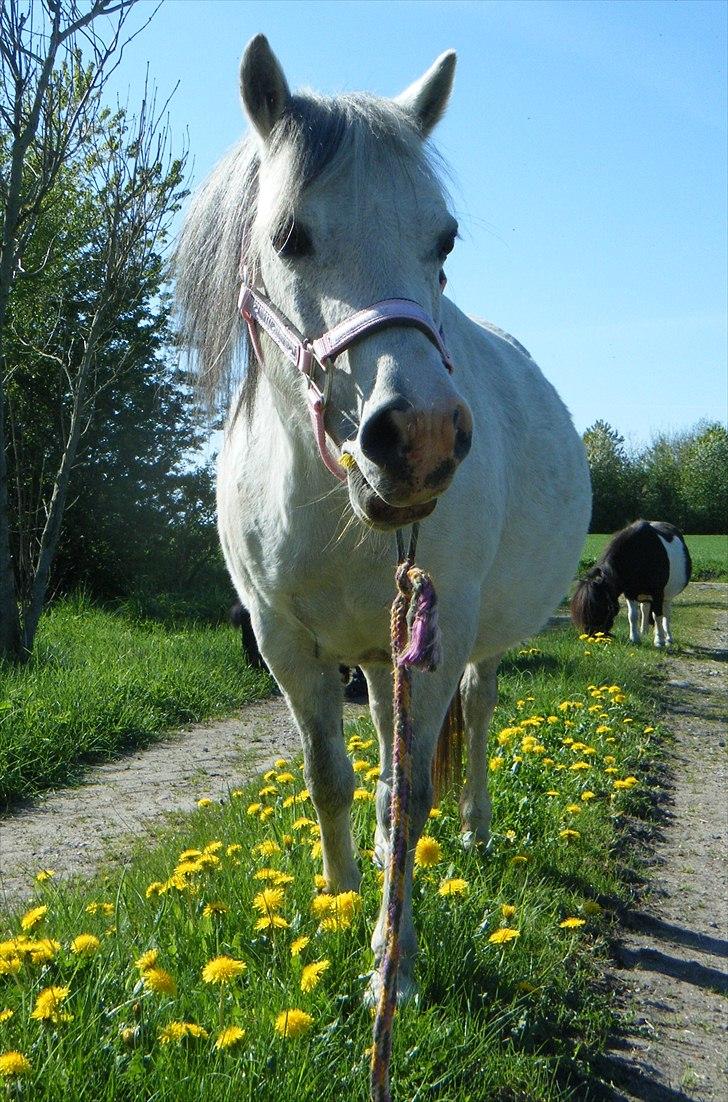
704,479
612,478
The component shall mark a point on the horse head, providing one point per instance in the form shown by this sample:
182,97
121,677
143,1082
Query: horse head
351,214
595,603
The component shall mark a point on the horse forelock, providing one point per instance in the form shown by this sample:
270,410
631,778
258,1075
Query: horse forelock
222,232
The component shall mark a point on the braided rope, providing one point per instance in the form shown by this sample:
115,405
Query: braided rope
415,642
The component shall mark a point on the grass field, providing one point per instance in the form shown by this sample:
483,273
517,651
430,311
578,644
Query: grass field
107,996
101,680
709,555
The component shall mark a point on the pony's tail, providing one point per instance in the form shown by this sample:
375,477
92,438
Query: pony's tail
447,766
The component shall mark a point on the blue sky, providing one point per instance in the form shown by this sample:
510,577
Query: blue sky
587,143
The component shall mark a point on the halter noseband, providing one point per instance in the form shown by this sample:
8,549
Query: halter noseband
257,309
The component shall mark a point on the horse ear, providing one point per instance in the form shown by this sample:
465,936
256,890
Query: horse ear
427,98
263,86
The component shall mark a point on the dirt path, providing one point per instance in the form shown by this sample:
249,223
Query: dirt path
672,956
74,829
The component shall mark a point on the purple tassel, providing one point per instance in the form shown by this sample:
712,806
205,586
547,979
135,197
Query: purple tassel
424,649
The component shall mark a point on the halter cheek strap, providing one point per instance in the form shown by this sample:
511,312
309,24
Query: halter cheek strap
257,310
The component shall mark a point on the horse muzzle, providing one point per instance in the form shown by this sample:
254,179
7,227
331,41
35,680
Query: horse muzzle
405,458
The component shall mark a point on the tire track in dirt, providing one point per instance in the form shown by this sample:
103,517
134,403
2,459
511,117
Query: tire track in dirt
672,956
75,830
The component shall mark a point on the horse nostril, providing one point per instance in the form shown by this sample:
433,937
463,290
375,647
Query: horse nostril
462,419
380,436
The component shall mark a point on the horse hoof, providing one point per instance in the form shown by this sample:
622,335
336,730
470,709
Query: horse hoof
477,841
406,990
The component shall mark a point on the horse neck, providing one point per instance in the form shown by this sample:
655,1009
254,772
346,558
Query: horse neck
611,577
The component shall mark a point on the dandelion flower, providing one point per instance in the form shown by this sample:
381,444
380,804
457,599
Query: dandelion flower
519,859
572,923
43,950
85,944
6,1015
31,918
553,792
299,945
231,1035
574,809
103,908
281,763
215,909
44,874
270,899
569,833
507,910
180,1031
586,796
48,1004
267,848
10,966
285,778
204,802
233,848
435,813
453,886
428,852
147,960
271,921
362,794
312,973
293,1023
159,981
223,969
579,766
321,905
13,1064
320,882
503,936
302,822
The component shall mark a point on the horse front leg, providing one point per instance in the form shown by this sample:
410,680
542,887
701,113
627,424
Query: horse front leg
479,692
314,694
633,613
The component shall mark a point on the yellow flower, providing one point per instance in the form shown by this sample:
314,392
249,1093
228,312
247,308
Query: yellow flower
603,729
43,950
373,774
228,1037
507,910
212,847
285,778
223,969
31,918
304,821
648,730
268,790
281,763
159,981
520,859
45,874
360,765
48,1003
435,813
6,1015
104,908
299,945
10,966
553,792
321,905
13,1063
569,833
253,809
85,944
503,936
362,794
572,923
320,882
428,852
180,1031
578,766
628,782
266,814
293,1023
588,796
270,899
267,848
495,763
204,802
147,960
155,888
312,974
575,809
271,921
453,886
233,848
214,909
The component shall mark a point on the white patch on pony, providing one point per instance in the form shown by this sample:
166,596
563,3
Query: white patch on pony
677,579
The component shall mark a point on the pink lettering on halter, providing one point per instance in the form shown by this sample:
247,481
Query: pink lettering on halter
257,310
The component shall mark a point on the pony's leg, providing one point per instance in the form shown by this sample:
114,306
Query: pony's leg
314,694
479,692
658,613
633,613
645,622
429,705
667,610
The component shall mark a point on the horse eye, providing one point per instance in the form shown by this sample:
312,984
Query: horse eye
446,246
292,241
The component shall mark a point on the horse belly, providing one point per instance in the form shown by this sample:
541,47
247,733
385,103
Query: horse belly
677,577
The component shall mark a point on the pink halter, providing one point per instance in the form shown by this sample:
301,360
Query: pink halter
257,309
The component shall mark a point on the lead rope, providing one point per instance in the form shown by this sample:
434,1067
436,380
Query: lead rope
415,643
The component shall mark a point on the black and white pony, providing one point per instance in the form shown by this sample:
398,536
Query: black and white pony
649,563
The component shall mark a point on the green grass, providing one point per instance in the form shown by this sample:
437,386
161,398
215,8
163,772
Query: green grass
518,1022
100,681
709,555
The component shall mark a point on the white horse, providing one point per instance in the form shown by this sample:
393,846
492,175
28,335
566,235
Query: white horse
333,204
